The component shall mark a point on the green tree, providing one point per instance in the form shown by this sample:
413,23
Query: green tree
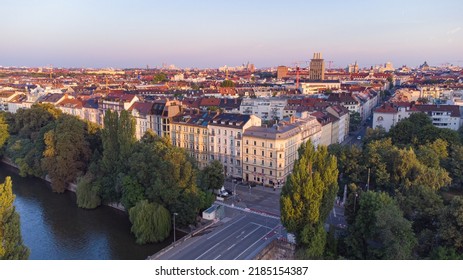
454,165
160,78
212,177
87,192
4,135
432,154
11,244
227,83
423,100
412,129
308,197
355,121
380,231
26,144
373,134
168,177
118,137
422,206
451,225
445,253
132,192
150,222
67,152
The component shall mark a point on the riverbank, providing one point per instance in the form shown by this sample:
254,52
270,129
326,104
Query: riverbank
70,187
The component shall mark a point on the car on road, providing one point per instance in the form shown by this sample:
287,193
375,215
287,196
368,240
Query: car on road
359,137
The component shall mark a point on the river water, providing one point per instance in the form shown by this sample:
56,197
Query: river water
54,228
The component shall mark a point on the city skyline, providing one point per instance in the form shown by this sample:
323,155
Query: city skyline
210,34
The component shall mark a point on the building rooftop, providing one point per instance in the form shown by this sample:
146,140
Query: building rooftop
230,120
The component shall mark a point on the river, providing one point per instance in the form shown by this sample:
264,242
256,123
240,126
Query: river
54,228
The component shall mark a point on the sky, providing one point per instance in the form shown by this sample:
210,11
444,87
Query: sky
213,33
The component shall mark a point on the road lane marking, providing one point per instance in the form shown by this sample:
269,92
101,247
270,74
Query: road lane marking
260,225
260,238
231,246
217,257
251,232
226,227
239,235
208,250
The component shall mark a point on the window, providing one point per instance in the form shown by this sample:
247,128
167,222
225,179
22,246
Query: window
262,162
255,169
238,143
255,143
255,152
247,167
271,154
271,173
247,151
271,145
262,144
263,153
271,164
280,155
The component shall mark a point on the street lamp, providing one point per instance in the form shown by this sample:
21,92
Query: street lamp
234,190
175,214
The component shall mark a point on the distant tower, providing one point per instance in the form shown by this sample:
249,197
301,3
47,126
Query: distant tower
353,68
282,71
317,67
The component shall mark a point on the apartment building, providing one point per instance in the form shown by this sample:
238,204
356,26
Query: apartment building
6,97
115,101
269,152
442,116
340,128
162,114
225,140
264,108
190,132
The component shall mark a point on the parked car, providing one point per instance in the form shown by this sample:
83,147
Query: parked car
359,137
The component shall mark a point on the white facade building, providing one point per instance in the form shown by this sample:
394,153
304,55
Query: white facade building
264,108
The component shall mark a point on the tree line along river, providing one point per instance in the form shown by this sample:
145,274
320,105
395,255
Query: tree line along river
54,228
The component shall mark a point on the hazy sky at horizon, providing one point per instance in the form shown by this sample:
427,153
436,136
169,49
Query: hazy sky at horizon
213,33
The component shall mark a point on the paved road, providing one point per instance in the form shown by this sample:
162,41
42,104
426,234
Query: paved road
259,198
241,235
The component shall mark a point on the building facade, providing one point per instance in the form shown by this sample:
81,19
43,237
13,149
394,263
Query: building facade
317,67
264,108
269,153
190,132
225,140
